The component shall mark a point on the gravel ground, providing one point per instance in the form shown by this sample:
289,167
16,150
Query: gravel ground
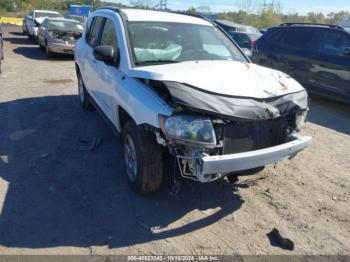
56,197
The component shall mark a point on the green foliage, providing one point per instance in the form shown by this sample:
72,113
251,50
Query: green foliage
26,5
268,16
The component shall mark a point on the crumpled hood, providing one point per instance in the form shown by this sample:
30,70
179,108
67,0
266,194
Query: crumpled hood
223,77
39,20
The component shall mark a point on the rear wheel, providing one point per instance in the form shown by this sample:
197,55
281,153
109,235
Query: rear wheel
142,158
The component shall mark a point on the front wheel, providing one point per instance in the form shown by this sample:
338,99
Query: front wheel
142,158
41,46
48,51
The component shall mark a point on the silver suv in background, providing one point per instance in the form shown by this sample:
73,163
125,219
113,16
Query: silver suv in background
58,35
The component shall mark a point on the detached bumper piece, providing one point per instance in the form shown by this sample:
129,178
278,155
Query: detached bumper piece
253,159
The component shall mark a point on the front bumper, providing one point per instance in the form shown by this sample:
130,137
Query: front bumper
253,159
62,48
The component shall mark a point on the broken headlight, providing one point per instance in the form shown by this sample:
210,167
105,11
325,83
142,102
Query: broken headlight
188,129
300,118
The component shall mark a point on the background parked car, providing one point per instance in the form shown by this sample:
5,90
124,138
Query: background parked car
58,35
318,56
244,40
24,25
244,35
78,18
34,20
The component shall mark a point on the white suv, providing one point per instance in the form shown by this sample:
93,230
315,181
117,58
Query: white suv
177,84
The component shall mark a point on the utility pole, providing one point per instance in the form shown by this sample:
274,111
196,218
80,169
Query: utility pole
268,5
163,4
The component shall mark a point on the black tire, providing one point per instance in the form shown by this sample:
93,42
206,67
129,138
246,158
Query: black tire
149,174
84,97
48,52
41,46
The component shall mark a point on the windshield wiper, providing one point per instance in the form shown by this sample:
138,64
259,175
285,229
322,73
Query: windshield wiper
159,61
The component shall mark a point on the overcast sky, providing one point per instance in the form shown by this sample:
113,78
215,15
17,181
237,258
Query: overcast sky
300,6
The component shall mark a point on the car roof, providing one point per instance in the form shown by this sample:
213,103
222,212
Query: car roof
309,25
62,20
138,15
46,11
231,24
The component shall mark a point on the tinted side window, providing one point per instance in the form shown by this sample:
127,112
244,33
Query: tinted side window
333,42
277,36
95,31
109,35
241,38
300,38
89,24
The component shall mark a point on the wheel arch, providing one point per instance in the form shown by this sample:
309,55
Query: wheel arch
77,68
122,117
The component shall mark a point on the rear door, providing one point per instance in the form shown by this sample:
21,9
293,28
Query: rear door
332,66
269,49
289,50
298,54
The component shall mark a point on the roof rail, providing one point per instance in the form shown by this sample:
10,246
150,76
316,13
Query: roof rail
111,8
315,24
193,15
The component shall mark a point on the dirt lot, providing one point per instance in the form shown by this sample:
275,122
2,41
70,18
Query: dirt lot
58,198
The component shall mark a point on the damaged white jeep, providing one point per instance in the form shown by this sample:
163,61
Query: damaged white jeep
177,84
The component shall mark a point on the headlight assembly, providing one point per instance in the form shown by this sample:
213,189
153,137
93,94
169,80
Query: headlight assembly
188,129
300,118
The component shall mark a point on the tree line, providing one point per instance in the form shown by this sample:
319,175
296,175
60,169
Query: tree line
250,12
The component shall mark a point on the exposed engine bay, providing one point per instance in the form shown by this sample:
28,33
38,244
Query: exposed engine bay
69,36
223,125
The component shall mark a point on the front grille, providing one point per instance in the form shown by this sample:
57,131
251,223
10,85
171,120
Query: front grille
254,135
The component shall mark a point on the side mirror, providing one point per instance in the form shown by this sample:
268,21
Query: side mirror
247,52
105,53
347,51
